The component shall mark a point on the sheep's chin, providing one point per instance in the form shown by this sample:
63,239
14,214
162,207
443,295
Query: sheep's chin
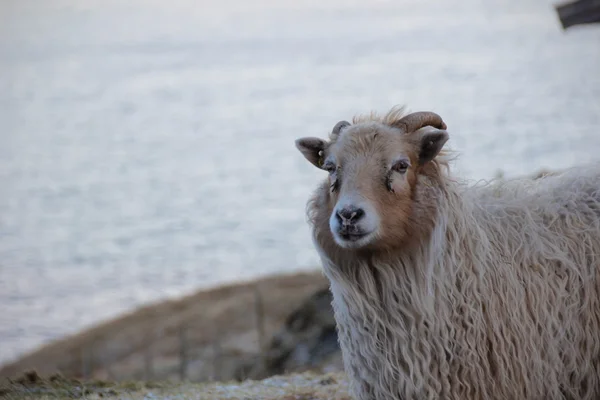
354,243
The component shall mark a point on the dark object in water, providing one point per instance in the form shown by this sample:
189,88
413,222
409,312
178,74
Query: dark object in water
579,12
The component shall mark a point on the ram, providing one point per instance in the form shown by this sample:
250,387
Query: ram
447,290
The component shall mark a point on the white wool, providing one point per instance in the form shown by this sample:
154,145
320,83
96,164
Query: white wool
501,302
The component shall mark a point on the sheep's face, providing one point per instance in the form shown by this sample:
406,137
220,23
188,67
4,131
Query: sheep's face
373,170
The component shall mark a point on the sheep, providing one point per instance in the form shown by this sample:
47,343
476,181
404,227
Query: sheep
448,290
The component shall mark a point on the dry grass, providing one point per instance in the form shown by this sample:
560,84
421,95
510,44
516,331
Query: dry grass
305,386
221,325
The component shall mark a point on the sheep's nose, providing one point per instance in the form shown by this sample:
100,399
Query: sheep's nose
349,215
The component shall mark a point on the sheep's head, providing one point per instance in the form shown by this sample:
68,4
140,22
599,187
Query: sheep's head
374,167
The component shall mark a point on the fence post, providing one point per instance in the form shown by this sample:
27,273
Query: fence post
183,352
107,361
260,318
85,362
217,353
149,356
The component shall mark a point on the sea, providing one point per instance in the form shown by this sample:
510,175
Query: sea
147,146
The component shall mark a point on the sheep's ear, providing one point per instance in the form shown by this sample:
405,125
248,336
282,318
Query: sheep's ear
430,145
312,149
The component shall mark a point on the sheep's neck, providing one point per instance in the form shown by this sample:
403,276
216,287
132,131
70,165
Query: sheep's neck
386,306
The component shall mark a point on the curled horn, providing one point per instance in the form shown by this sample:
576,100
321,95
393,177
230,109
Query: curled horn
418,120
338,127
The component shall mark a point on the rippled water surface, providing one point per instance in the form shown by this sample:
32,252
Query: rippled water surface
146,147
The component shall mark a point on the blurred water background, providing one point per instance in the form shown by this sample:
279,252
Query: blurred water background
146,146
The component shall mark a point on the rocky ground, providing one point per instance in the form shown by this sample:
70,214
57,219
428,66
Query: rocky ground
250,330
283,328
306,386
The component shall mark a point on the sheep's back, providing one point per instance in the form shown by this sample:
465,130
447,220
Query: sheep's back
539,257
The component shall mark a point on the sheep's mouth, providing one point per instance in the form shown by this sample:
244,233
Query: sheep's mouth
353,240
352,237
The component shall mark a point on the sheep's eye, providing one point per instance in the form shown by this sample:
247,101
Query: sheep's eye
329,167
333,179
401,166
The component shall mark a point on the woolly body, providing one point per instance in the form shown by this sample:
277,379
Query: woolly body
498,299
